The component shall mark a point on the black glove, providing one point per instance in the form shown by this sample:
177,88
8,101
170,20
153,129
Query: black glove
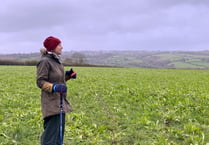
71,73
60,88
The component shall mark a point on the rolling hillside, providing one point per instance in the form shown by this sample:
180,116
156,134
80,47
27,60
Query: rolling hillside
143,59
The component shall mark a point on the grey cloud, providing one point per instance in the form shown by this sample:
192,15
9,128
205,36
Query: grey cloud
106,24
23,15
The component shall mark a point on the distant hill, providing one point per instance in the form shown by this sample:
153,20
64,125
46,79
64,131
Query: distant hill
143,59
151,59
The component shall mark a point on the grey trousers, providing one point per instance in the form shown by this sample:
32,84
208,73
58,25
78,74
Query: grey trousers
51,134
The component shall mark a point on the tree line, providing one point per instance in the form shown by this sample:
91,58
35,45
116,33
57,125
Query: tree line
76,59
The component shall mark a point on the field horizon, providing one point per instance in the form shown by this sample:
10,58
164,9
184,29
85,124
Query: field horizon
131,59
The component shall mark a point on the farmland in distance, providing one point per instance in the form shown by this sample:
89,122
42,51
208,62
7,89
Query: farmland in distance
121,106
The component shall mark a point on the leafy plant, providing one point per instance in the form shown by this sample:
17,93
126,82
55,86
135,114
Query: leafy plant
111,106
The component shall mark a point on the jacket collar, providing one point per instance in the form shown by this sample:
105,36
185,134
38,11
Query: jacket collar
55,56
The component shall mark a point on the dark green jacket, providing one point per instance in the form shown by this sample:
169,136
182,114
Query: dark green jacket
51,71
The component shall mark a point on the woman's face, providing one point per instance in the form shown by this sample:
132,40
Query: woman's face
58,49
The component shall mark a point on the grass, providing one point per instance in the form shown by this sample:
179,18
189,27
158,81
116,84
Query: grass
121,106
183,61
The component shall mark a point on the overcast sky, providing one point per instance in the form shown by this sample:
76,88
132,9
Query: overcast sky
104,24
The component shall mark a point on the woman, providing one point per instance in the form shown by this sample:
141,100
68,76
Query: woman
51,79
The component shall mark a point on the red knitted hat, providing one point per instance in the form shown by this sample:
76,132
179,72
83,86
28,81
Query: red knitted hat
50,43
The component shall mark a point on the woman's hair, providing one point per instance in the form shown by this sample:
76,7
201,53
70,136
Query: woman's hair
43,51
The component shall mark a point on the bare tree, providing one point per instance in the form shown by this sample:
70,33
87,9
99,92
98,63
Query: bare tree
68,61
78,58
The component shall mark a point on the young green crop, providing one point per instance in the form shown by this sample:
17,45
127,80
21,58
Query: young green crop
111,106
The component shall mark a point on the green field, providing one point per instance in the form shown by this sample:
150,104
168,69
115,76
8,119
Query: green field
119,106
